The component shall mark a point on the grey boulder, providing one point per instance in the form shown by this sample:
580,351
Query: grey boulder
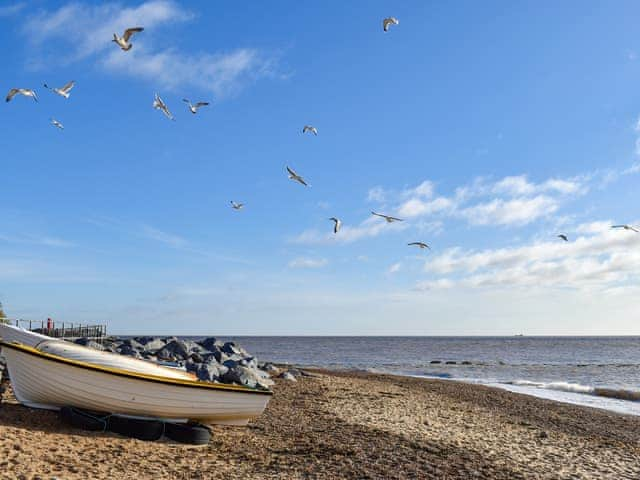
247,377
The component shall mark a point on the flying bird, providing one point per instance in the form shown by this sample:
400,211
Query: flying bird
123,42
236,206
194,108
27,92
158,104
310,128
294,176
563,237
387,22
388,218
62,91
422,245
336,224
57,124
626,227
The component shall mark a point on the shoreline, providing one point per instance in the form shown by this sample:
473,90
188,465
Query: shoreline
349,425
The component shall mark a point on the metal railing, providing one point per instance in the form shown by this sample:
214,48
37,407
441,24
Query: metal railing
63,330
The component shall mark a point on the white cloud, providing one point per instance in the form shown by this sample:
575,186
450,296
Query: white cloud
85,31
416,207
371,227
46,241
10,10
302,262
394,268
376,194
635,168
519,211
606,258
425,190
169,239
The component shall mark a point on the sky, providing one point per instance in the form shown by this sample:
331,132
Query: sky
489,129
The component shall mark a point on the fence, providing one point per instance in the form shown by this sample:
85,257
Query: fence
64,330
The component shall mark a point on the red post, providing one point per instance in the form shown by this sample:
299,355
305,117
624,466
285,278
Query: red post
49,324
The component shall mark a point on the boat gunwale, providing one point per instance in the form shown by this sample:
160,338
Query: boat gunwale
133,375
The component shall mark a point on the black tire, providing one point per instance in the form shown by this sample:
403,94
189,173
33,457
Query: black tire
149,430
194,434
84,419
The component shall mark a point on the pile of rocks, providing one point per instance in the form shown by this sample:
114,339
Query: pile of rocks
210,359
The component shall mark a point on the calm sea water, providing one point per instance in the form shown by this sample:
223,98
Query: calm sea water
583,370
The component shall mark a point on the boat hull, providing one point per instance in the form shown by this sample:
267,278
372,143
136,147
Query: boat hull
42,380
10,333
112,360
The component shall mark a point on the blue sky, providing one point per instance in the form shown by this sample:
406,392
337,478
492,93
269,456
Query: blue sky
489,128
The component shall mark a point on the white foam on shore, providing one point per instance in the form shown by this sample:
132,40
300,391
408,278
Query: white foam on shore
565,396
563,392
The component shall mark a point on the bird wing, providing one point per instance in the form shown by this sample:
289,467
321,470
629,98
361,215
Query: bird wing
186,100
68,86
414,243
634,229
301,180
12,93
305,129
393,218
201,104
378,214
291,172
617,226
130,31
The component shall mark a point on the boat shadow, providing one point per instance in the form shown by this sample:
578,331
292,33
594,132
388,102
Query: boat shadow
15,415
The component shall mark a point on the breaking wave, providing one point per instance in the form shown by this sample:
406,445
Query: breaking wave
620,394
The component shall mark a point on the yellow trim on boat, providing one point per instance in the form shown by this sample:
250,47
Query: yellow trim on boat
125,373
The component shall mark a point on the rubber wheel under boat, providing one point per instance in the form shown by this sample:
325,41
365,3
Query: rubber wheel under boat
86,420
194,434
136,428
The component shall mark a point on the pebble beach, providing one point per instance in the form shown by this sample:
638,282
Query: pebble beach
337,425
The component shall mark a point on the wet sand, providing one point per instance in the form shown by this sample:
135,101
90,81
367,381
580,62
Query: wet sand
348,425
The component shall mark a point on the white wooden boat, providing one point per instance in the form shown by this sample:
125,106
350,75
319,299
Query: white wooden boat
43,380
10,334
109,359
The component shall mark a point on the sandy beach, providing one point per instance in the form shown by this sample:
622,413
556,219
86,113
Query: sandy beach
348,425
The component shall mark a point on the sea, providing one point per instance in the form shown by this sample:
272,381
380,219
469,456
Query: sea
600,372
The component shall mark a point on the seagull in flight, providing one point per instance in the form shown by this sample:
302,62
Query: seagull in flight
422,245
62,91
563,237
160,105
626,227
57,124
236,206
388,218
336,224
123,41
194,108
310,128
387,22
294,176
27,92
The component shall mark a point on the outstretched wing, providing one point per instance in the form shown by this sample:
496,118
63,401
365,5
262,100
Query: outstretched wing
291,172
130,31
68,86
12,93
201,104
